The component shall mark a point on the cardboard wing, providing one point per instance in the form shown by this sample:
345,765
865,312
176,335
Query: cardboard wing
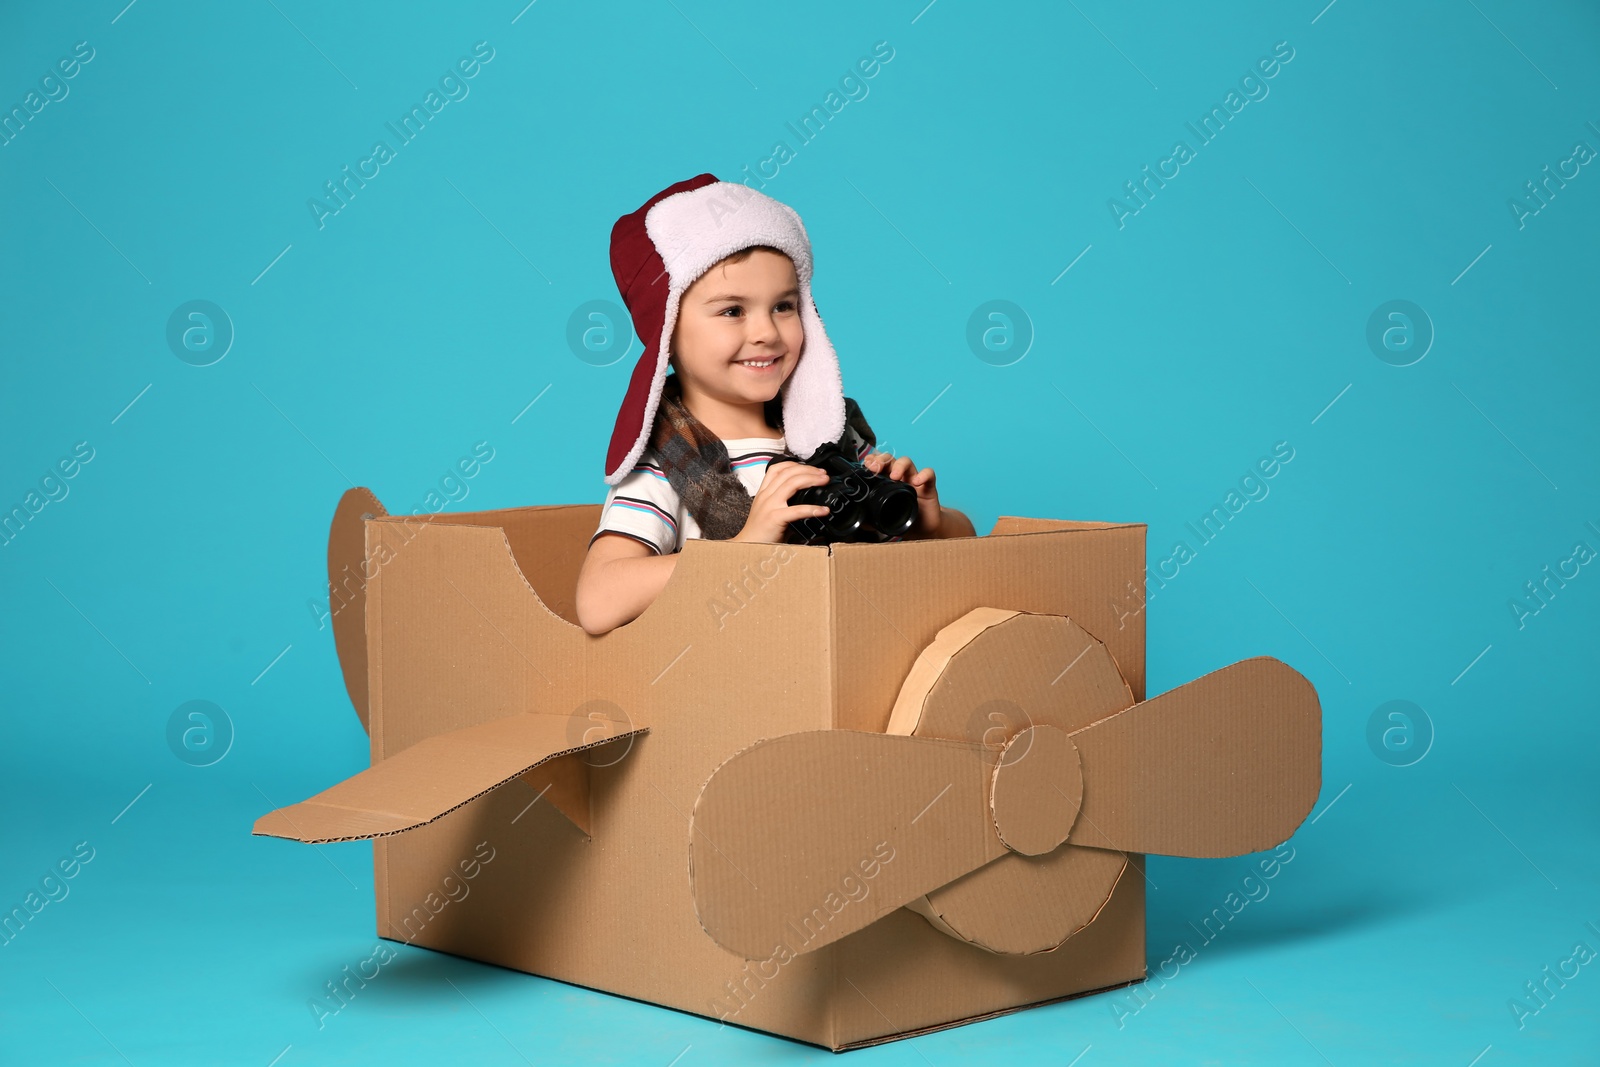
435,776
1014,844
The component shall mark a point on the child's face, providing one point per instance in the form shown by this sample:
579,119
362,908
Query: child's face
736,314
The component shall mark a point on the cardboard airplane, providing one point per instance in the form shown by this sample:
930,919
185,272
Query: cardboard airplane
839,793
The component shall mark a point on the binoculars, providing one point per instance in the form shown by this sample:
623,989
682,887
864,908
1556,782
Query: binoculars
862,506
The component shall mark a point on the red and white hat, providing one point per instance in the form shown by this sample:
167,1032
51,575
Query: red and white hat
661,249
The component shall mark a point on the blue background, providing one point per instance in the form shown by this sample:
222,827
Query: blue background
1229,314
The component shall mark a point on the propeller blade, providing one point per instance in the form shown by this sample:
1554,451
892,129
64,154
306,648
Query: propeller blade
437,775
1228,764
799,840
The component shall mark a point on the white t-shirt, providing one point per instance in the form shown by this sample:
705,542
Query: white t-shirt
645,507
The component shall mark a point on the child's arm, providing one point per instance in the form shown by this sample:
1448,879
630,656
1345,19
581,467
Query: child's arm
955,524
619,579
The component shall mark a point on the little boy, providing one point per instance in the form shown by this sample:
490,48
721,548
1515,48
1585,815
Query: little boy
717,279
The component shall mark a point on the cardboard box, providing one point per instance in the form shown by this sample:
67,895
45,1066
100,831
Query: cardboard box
843,794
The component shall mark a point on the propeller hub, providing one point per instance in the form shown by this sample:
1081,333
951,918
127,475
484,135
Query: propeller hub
1037,790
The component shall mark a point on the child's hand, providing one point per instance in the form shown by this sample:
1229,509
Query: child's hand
930,516
770,510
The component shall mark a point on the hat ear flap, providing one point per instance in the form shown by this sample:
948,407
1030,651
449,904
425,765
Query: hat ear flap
813,397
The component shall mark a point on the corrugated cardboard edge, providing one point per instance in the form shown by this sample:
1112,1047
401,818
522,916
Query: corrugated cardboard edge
372,616
1011,525
631,732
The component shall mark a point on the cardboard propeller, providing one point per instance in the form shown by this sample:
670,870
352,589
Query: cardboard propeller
1016,776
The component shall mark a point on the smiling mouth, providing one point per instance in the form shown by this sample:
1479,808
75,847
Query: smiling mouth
759,364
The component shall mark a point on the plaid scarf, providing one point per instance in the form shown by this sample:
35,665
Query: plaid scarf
696,461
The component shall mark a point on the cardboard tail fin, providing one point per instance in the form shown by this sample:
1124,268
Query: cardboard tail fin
437,775
347,589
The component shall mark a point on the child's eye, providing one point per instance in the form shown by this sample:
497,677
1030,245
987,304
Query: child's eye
736,309
784,305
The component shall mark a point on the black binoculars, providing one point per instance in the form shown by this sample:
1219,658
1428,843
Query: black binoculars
863,506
